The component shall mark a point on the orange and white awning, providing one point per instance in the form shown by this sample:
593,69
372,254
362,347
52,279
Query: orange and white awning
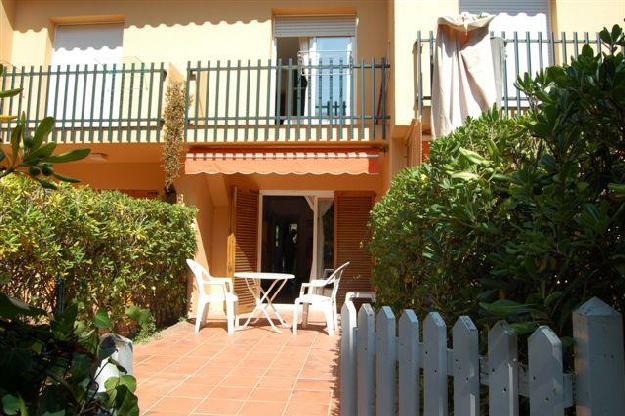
283,162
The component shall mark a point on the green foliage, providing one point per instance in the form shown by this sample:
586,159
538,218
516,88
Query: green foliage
566,208
519,219
432,231
111,251
49,364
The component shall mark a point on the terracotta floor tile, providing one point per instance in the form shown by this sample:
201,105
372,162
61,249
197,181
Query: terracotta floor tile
270,394
283,372
231,393
248,371
240,381
306,409
252,408
213,406
191,389
176,405
255,371
311,384
311,396
205,379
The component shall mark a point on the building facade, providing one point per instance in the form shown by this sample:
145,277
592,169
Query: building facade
298,112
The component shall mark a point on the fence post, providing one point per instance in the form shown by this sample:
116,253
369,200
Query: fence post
599,365
503,371
434,365
386,357
348,359
546,380
365,344
408,355
466,368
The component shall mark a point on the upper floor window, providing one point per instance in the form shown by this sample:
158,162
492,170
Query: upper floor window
88,44
76,92
322,47
513,16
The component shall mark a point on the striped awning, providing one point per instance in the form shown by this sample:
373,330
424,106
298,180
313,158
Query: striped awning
283,162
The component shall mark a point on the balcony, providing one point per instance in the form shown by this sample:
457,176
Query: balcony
290,101
91,103
270,102
519,53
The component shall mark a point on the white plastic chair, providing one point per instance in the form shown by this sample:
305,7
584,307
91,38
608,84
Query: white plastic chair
325,303
226,294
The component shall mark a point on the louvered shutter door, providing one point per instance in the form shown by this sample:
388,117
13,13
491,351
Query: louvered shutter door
351,215
311,26
245,239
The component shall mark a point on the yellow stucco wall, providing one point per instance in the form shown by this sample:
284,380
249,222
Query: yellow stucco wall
586,16
187,30
7,13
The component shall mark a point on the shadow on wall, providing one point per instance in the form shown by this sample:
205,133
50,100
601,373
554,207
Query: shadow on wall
37,14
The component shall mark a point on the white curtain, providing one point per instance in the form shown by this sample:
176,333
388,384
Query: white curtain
463,78
304,60
322,208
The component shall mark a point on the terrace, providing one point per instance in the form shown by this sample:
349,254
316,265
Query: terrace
254,371
340,101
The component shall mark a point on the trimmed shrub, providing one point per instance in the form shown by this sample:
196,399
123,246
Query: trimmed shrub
519,219
432,232
110,251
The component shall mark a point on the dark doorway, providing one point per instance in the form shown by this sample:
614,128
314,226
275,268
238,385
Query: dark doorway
287,241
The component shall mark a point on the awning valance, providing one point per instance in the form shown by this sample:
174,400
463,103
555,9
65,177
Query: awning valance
283,162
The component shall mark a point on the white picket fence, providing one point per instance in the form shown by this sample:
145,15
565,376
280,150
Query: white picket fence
372,354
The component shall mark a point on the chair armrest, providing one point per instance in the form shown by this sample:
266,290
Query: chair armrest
212,282
224,280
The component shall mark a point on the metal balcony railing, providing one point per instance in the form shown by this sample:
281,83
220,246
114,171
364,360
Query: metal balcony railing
286,100
91,103
519,53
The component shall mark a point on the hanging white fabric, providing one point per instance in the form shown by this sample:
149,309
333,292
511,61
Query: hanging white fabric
463,78
323,206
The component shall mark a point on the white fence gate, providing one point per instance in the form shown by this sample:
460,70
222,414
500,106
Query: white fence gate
372,355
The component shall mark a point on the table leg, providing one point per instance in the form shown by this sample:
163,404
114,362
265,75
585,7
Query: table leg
270,303
257,307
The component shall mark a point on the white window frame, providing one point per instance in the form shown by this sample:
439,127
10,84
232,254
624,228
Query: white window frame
316,195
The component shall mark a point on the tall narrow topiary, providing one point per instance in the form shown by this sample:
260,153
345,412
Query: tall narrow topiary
173,147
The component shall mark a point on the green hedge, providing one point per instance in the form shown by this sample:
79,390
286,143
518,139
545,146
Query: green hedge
432,231
110,250
520,219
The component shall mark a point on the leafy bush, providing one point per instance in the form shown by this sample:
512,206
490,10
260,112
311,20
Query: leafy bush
433,230
110,251
567,208
49,364
521,219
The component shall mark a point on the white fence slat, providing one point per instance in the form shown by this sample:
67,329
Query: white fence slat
546,379
466,368
408,356
348,359
503,389
385,359
599,364
434,365
365,344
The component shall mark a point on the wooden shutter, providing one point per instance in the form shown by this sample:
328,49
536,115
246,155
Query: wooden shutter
351,215
243,240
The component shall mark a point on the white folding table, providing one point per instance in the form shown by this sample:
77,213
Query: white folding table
264,298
